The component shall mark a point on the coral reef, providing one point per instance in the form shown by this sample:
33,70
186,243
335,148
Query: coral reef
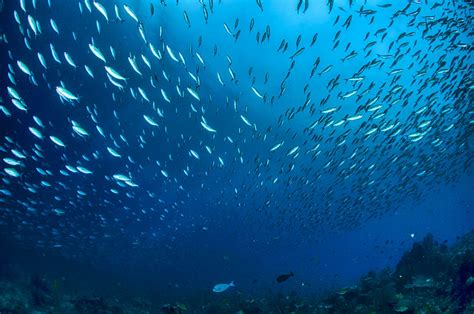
429,278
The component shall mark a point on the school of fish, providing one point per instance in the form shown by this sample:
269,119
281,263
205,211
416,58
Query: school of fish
134,121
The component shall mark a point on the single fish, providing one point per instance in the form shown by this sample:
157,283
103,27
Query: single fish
222,287
284,277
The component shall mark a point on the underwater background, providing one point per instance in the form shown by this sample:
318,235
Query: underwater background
162,150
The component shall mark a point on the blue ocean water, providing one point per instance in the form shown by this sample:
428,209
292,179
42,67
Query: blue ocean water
252,140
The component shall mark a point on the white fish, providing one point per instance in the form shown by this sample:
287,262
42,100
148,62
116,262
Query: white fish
96,51
42,60
134,65
171,54
245,120
69,60
54,26
219,78
207,127
121,177
12,172
18,154
114,74
339,123
32,23
163,93
194,154
12,162
329,110
181,57
57,141
13,93
101,9
27,43
231,73
293,150
115,83
353,118
155,52
143,94
371,131
83,170
227,29
24,68
5,111
89,71
274,148
200,58
36,132
17,17
221,161
150,121
54,53
38,121
113,152
131,13
117,13
222,287
71,168
349,94
65,94
99,129
146,61
19,104
112,52
141,30
80,131
193,93
257,92
11,78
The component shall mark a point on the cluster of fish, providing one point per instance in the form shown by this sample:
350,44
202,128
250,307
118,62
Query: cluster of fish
112,124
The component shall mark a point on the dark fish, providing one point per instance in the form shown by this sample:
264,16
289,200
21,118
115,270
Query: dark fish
297,53
315,38
298,40
330,3
186,18
284,277
236,36
282,44
152,9
306,5
211,5
300,2
347,23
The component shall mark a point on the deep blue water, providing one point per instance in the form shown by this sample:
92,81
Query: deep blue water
329,204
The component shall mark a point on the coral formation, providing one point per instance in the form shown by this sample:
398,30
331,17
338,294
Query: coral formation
429,278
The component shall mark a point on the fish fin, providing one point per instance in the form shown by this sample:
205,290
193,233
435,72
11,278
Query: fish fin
232,284
291,273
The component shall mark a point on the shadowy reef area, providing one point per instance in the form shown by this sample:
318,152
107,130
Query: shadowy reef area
430,278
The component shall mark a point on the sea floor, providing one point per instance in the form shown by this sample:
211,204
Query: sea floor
430,278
